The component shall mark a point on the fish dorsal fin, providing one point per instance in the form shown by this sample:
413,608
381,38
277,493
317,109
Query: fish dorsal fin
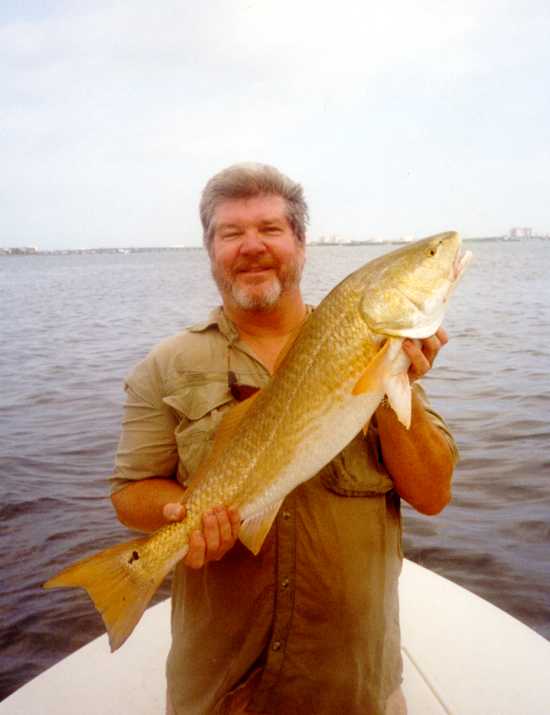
225,433
254,529
291,339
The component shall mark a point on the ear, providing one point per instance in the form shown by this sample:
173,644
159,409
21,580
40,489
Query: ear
211,244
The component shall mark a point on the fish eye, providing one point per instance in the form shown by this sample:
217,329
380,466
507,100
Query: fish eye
433,251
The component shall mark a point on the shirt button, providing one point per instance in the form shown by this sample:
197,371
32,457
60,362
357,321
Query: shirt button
286,515
276,645
285,582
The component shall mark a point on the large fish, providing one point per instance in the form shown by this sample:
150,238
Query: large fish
346,357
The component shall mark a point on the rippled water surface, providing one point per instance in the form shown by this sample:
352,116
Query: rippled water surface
72,326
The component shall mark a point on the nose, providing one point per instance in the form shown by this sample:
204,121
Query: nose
252,243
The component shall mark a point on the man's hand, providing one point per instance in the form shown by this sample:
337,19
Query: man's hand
219,533
420,459
423,353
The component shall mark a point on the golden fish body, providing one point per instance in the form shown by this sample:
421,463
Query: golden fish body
346,357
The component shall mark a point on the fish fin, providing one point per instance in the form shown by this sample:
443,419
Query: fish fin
120,583
376,370
398,391
289,343
254,529
388,368
231,421
224,435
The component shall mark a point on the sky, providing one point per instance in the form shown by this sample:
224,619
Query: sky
398,118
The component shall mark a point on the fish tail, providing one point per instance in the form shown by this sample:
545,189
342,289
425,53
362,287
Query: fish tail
120,582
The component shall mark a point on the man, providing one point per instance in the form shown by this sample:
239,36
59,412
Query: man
310,625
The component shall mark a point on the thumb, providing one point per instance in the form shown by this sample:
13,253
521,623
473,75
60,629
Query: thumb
173,512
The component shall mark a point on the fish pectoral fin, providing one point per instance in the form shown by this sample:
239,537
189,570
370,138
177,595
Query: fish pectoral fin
254,529
378,368
398,391
387,372
119,583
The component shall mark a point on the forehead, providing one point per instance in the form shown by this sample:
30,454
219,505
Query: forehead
257,209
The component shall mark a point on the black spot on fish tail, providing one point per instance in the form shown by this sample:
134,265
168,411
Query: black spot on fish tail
133,557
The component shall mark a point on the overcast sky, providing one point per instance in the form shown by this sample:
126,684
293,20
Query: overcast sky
399,118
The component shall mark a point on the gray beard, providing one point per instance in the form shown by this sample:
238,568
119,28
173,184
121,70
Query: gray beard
258,301
267,298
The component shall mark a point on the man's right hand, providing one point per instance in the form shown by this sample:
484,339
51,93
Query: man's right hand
220,530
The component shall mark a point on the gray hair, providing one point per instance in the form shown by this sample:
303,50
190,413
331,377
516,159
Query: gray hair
248,180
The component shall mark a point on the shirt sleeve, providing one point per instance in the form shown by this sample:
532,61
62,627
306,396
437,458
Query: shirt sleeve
437,420
147,446
359,470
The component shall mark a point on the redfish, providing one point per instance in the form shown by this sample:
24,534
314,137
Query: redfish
330,380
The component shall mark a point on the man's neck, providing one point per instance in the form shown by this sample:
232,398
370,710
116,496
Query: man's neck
263,325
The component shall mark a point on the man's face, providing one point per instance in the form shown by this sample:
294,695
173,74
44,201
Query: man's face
255,256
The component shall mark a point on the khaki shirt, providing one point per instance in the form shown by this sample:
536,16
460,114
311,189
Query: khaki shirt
315,614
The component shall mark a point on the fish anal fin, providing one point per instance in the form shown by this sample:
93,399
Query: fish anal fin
254,530
120,583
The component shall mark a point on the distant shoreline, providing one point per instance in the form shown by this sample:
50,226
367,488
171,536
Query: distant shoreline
31,251
401,242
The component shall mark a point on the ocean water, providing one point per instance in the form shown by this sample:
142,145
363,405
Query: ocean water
72,326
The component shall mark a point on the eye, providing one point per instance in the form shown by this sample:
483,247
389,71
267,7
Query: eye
433,251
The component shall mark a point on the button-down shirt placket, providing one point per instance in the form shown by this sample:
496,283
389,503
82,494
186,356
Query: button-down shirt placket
265,696
285,569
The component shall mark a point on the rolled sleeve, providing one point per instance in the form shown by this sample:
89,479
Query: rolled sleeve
147,446
359,470
438,421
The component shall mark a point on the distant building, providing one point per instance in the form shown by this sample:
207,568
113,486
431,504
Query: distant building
330,240
19,251
517,232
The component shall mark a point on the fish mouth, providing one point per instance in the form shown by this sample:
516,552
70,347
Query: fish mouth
460,262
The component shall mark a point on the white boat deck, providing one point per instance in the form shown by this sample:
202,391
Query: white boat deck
462,656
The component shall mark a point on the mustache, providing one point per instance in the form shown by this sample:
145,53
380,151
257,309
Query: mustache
245,264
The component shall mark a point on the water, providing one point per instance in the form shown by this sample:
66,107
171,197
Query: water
72,326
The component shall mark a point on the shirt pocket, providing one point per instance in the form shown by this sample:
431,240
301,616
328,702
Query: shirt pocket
200,401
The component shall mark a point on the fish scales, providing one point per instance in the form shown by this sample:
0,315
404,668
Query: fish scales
329,356
325,389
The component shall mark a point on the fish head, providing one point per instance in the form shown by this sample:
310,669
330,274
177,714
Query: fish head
405,293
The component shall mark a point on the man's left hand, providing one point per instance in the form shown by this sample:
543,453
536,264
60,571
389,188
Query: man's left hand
422,353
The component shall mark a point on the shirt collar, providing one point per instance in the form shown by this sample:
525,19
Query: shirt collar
219,319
